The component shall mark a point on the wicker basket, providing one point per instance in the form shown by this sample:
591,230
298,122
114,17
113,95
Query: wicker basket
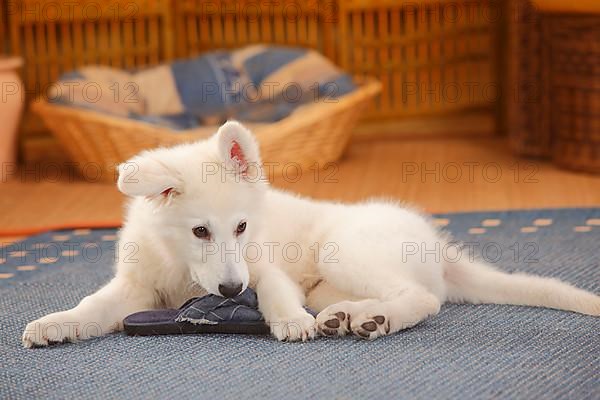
316,135
527,99
575,85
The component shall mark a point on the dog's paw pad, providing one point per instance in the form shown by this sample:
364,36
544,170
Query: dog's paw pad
329,332
370,327
333,324
340,315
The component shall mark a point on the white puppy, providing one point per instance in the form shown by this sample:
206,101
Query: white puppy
202,219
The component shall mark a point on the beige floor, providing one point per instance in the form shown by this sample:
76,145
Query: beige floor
438,175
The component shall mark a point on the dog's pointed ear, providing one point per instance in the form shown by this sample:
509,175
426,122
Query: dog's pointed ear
145,175
238,148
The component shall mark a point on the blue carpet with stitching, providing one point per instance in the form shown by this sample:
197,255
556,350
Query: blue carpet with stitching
467,352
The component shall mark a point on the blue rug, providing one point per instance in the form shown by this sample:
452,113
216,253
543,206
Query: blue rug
467,352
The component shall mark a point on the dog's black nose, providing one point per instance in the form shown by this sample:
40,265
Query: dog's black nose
231,290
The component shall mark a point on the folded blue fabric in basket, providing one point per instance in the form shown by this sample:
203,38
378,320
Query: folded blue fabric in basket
256,83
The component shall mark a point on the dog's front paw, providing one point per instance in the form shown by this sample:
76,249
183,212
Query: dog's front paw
298,327
53,328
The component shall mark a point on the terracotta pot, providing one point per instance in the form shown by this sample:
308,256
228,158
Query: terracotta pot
11,106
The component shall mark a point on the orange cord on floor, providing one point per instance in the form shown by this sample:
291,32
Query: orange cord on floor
69,225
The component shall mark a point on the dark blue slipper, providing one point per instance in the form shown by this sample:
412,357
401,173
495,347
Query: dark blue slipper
208,314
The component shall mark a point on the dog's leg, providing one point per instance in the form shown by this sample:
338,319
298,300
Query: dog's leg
96,315
326,294
393,308
280,301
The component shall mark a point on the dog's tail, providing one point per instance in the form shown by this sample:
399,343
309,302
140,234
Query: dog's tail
476,282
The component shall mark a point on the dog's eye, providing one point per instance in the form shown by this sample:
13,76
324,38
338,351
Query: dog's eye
201,232
241,228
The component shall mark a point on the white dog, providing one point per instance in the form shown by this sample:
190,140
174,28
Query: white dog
201,219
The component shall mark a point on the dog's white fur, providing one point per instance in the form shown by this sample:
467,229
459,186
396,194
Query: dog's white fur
347,261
